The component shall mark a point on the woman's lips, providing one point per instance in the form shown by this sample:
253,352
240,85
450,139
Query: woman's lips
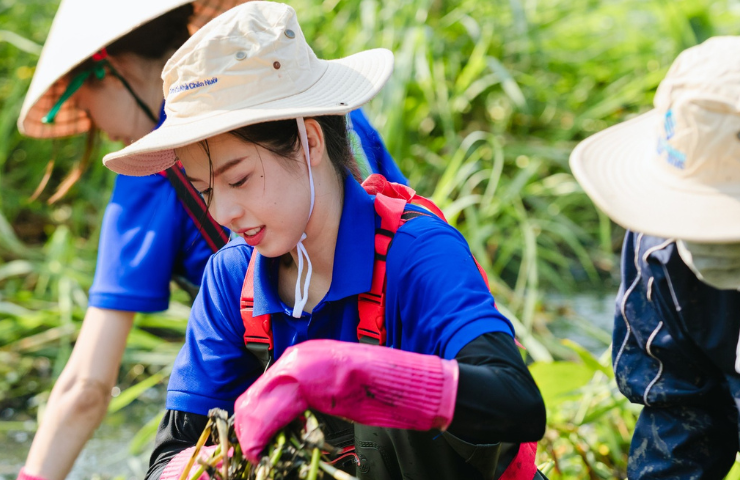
256,235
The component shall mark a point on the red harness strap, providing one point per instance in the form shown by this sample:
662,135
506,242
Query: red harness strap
390,203
257,330
371,305
196,208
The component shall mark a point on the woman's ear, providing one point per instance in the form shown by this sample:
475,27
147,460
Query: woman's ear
316,141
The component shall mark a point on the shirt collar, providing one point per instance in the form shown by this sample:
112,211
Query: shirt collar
162,117
353,255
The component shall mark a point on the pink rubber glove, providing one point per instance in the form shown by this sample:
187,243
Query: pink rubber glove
372,385
174,468
23,475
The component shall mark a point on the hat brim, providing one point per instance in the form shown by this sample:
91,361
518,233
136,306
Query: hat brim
67,46
617,169
346,85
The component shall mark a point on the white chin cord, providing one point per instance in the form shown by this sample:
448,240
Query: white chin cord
301,299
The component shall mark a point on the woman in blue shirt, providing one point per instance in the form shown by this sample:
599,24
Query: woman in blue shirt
107,74
274,163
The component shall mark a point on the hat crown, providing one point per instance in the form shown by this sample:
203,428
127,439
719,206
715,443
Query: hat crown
253,54
699,139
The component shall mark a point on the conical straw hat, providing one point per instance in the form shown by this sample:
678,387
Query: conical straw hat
81,28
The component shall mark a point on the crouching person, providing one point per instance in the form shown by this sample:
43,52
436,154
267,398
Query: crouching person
354,302
672,177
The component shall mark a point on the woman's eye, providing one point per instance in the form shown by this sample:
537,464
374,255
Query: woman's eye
206,192
239,183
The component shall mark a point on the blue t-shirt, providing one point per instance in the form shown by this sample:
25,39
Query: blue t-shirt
436,303
147,236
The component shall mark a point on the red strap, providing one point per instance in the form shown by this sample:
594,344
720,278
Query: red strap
371,305
212,232
377,184
101,54
523,467
256,329
390,202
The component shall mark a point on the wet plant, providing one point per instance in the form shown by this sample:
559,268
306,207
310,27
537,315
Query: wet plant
298,452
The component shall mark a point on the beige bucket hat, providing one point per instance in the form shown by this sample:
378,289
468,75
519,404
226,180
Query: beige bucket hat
80,29
250,65
674,172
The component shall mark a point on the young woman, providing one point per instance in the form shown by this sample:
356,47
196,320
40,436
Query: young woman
274,163
101,67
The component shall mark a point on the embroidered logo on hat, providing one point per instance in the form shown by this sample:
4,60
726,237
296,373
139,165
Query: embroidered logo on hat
672,155
193,85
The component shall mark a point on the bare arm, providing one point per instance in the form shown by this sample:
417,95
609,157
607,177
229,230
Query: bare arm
80,396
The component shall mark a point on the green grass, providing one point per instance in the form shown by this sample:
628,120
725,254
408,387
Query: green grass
486,102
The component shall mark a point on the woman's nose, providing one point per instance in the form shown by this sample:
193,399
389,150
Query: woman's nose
225,211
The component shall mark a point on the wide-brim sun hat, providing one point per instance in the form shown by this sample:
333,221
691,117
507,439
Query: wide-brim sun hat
674,172
249,65
80,29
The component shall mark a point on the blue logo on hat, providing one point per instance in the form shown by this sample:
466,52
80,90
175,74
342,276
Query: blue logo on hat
673,156
193,85
669,124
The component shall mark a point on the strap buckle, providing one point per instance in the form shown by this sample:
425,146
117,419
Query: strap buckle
371,329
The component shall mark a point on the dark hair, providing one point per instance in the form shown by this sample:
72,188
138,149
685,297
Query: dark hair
281,138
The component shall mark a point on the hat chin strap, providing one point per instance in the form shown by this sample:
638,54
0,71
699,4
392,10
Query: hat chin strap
302,298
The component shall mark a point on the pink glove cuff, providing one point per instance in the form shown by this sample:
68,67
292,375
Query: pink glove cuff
174,468
420,389
451,374
23,475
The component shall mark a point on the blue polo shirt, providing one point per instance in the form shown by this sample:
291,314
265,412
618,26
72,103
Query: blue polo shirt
147,236
437,302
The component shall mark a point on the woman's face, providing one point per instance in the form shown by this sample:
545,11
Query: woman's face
262,197
113,109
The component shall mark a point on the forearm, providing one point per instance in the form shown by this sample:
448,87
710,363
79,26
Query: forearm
497,399
72,415
80,397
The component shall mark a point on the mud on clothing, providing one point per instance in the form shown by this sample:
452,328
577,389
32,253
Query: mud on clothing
147,237
676,352
436,304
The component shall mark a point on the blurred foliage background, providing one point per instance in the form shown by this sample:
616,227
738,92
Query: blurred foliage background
486,102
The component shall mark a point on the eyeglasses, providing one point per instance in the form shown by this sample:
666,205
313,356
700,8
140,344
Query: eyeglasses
98,69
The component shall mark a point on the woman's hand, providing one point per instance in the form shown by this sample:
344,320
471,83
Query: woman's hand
372,385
